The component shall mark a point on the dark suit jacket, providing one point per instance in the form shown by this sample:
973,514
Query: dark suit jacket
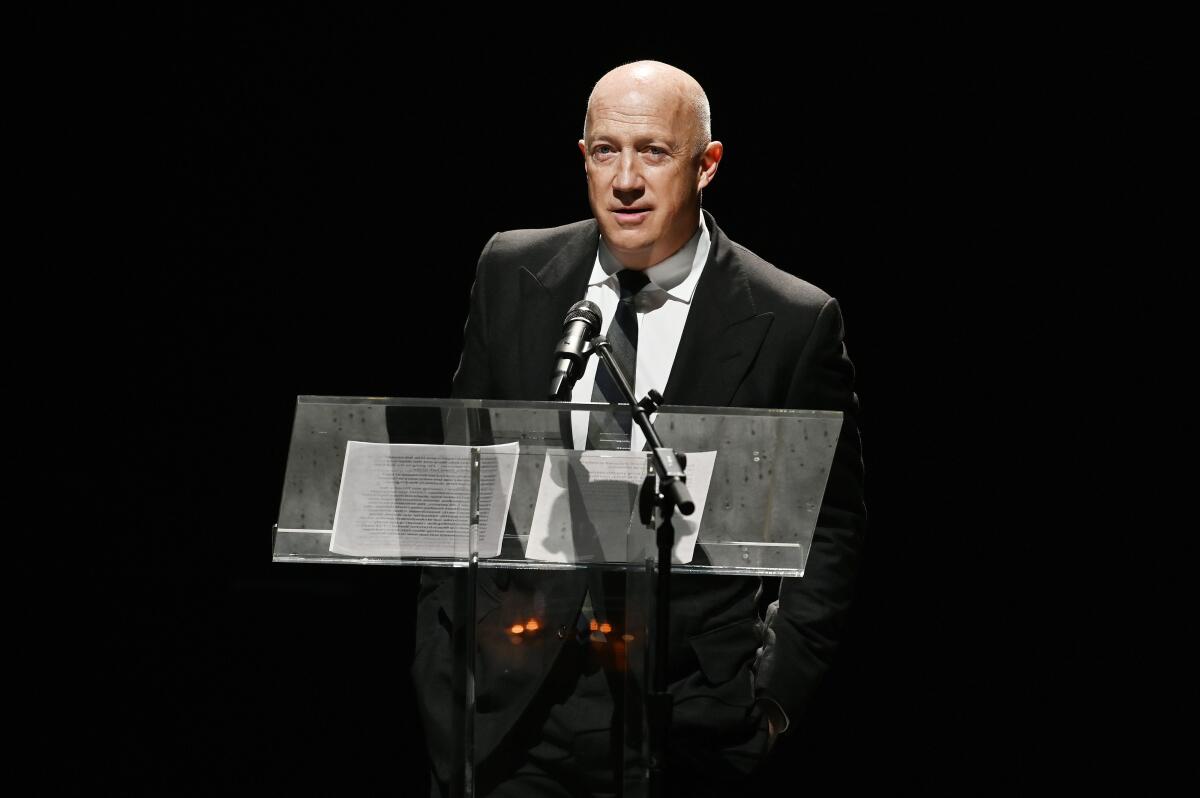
755,337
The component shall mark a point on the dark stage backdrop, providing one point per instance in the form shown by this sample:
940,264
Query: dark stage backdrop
293,202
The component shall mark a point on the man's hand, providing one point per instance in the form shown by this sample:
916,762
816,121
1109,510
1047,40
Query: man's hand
776,720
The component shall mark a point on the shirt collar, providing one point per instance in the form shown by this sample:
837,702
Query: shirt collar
677,275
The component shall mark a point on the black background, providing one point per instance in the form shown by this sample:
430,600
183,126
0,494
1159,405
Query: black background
292,202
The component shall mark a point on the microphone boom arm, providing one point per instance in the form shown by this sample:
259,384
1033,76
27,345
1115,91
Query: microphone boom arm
670,467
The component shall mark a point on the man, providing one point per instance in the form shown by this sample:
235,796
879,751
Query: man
708,323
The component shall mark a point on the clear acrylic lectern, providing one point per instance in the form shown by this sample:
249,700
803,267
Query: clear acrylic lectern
544,544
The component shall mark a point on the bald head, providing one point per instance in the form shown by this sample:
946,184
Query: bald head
653,84
647,155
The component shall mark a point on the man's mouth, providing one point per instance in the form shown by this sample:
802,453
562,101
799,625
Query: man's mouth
632,214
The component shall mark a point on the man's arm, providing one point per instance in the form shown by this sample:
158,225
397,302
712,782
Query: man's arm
472,380
808,622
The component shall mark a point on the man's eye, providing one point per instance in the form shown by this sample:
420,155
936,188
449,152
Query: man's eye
603,149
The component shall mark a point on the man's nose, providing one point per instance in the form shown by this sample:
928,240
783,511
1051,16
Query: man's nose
629,176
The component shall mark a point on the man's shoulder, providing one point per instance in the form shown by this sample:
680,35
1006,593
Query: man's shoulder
529,243
772,287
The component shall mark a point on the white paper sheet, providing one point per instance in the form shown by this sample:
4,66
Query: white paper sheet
413,500
587,508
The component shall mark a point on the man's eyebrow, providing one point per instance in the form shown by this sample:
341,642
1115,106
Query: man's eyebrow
639,141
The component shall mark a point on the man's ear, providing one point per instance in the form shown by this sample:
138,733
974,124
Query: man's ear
710,159
583,151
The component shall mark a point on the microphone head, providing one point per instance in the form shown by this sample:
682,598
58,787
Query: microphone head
588,312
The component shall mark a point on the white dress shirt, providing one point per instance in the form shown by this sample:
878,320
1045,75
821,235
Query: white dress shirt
661,309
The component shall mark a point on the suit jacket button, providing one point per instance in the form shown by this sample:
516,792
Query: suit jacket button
562,633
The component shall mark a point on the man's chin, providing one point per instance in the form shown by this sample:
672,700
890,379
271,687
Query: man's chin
621,242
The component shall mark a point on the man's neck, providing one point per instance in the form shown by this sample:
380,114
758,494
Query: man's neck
645,259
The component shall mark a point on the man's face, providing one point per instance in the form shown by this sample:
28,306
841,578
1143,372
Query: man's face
644,177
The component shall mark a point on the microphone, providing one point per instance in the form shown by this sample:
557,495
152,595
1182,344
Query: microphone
581,325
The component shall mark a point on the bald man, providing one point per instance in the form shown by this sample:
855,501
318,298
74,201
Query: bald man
715,326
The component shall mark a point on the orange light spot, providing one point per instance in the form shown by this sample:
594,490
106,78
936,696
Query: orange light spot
532,625
517,629
593,625
627,637
606,627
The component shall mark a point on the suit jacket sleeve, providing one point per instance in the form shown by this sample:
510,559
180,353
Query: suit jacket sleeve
472,380
807,622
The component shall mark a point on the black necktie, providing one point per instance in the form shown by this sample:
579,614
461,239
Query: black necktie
606,590
607,432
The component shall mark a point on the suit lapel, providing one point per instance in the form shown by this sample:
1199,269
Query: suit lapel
547,293
720,340
723,332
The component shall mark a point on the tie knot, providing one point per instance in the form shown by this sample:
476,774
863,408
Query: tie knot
631,282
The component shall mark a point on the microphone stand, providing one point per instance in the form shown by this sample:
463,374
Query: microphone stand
671,493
